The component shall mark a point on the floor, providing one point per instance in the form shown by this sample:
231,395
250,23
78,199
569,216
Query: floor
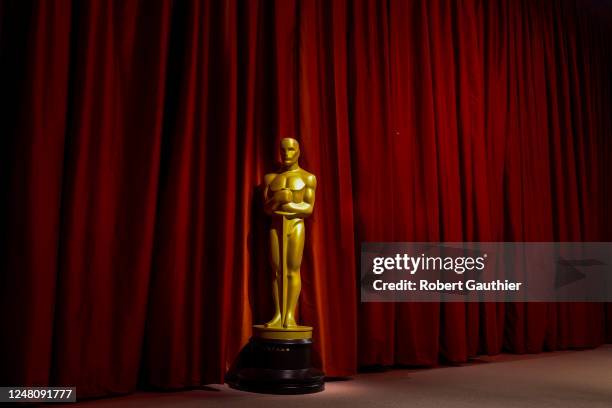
561,379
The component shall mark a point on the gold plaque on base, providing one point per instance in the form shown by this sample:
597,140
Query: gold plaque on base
279,333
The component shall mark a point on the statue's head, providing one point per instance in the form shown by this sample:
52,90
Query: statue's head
289,151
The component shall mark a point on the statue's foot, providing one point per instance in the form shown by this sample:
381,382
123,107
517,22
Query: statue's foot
275,322
289,323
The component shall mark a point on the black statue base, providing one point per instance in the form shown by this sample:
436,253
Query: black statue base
274,366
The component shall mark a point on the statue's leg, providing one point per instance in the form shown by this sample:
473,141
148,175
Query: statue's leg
295,248
276,270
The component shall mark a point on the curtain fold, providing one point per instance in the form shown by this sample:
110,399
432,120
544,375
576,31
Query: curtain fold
135,135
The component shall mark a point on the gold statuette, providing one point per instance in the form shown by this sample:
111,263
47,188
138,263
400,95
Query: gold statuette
289,197
277,359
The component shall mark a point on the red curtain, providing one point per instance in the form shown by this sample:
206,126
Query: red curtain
134,135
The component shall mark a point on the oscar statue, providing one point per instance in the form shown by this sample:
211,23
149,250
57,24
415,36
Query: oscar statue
277,358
